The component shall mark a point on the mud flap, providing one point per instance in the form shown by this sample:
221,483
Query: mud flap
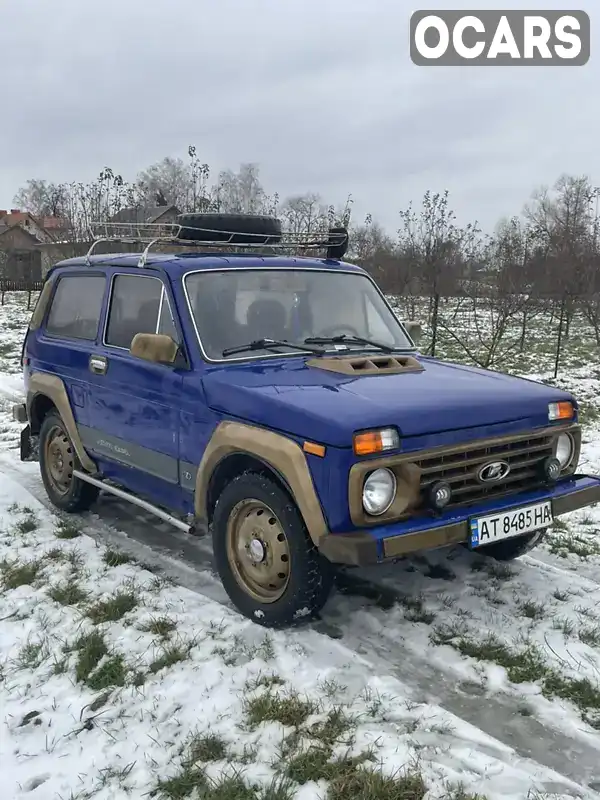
28,445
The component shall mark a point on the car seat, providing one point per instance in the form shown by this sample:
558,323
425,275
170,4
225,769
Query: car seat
266,319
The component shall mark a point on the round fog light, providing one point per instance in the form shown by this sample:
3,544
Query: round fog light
552,469
440,495
564,450
379,491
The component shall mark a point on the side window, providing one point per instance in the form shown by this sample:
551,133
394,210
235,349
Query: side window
138,304
378,328
76,307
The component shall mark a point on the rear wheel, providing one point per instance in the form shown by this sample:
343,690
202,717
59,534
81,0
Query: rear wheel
58,460
267,562
509,549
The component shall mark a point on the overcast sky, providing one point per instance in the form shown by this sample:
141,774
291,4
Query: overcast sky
320,93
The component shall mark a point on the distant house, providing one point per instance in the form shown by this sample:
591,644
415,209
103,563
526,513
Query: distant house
165,214
21,234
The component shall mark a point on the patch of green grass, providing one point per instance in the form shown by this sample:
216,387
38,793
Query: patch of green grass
188,780
91,649
261,681
114,558
55,554
573,544
288,709
114,608
560,595
532,610
17,574
112,672
26,525
496,569
280,788
206,748
68,593
370,785
351,778
590,636
66,530
565,625
229,787
416,610
31,655
159,626
171,655
588,414
333,729
460,793
528,666
582,692
522,666
316,764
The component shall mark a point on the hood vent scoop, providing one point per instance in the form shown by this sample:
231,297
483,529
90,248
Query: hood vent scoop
367,365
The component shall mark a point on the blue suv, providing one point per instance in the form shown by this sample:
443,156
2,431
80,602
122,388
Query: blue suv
250,384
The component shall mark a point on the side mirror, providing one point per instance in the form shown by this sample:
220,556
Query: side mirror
414,330
155,347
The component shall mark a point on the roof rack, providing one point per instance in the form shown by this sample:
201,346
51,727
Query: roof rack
332,243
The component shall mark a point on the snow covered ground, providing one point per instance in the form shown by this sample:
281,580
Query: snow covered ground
125,673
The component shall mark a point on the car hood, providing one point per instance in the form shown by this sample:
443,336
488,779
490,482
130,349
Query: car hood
328,407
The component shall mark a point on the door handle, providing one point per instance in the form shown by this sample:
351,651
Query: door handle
98,365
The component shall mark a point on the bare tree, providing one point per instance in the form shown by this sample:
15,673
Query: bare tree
41,198
563,223
437,250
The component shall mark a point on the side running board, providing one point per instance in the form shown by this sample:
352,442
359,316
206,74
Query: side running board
137,501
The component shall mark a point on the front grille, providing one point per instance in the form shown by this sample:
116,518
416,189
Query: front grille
459,468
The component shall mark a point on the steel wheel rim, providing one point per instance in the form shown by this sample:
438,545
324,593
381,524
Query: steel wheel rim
59,460
258,551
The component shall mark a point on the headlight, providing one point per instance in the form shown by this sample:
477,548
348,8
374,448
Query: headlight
564,449
379,491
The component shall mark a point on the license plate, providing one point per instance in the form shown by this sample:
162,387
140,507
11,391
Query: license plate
505,525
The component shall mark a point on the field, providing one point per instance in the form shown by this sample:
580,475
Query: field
125,673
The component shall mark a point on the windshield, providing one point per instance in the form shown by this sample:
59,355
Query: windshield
235,307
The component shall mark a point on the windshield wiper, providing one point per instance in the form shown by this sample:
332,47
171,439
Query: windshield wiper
343,338
270,344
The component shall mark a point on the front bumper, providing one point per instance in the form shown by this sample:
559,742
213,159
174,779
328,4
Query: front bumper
386,542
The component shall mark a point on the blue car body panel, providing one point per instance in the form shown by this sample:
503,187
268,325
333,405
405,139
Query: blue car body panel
147,425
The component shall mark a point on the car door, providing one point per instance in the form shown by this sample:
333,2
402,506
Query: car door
135,404
63,343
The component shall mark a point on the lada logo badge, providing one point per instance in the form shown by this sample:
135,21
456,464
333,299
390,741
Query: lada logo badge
493,472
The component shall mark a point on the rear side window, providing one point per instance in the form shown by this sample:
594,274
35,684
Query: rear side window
139,304
76,307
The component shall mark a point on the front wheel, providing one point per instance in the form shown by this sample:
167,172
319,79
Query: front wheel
509,549
267,562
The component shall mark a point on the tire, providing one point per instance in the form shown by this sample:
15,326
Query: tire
67,493
254,504
509,549
247,228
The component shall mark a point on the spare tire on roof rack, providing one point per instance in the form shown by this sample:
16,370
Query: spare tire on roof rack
229,228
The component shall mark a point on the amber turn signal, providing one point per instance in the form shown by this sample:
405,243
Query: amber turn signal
314,449
562,410
369,442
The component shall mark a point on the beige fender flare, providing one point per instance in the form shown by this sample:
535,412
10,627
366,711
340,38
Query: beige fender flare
52,387
277,451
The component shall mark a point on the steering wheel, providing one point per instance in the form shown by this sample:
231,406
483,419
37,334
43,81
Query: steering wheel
339,330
